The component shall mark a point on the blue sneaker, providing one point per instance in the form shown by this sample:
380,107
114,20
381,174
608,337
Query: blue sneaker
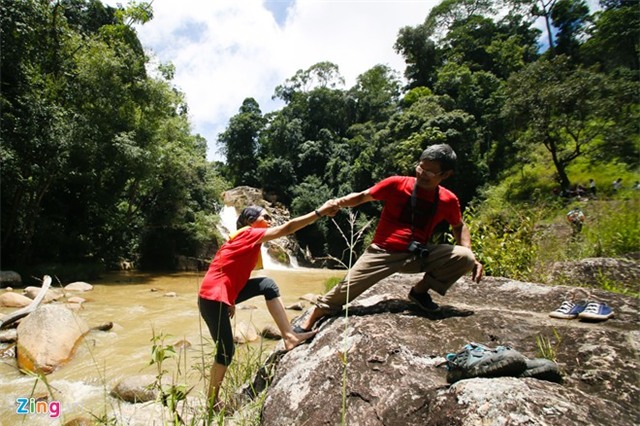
476,360
596,311
568,310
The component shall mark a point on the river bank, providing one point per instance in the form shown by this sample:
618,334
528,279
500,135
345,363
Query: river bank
141,306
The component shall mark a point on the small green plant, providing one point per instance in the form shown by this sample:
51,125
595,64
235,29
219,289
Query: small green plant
351,241
331,282
504,241
614,286
546,349
169,394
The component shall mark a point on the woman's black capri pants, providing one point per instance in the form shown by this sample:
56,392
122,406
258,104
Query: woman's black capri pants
216,315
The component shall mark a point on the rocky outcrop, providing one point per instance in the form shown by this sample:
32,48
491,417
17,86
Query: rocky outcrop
384,360
47,338
279,249
10,279
599,272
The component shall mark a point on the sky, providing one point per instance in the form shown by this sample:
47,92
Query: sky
225,51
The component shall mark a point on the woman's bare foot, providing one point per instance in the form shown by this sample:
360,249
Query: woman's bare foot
218,406
291,340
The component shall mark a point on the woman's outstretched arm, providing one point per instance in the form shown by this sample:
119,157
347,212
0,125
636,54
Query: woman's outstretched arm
329,208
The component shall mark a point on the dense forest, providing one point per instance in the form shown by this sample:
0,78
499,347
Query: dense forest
100,164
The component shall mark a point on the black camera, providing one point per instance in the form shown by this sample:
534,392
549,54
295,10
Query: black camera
418,249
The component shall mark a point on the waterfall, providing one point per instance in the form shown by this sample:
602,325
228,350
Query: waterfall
228,218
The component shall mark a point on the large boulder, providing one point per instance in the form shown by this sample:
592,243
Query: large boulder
598,272
9,299
384,359
279,249
10,279
48,337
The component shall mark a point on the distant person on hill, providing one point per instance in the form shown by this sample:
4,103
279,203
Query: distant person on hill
413,206
636,186
576,218
228,282
617,185
592,187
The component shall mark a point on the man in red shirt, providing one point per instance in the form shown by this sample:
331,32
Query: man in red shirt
412,209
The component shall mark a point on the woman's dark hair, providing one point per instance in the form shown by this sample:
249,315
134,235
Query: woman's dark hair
441,153
248,216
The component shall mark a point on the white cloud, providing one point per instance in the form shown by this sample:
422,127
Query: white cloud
227,50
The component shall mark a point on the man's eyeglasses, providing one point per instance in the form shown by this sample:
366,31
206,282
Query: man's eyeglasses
428,173
265,216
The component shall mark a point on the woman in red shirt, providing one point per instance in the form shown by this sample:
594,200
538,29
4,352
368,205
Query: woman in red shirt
228,282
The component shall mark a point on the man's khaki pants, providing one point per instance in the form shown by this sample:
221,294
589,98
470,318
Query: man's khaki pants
444,265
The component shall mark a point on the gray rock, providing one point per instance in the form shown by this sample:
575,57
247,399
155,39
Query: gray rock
279,249
51,295
47,338
596,271
244,333
10,299
136,389
391,351
270,331
10,279
298,306
78,286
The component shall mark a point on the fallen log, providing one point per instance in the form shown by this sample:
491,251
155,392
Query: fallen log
21,313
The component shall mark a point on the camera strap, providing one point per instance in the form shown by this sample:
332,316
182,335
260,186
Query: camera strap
414,203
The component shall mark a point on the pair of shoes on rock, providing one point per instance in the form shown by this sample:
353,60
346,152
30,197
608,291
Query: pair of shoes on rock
424,301
594,311
476,360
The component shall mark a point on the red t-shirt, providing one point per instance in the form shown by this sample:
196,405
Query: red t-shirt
394,227
231,267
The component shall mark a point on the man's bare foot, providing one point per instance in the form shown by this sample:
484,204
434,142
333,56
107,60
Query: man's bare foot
313,317
292,340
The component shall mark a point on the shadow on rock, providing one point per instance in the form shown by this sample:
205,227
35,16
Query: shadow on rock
395,306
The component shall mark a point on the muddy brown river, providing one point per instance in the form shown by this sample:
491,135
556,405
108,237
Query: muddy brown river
139,308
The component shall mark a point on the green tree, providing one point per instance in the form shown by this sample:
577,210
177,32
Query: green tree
375,95
615,37
240,143
421,55
323,74
570,18
535,9
97,157
448,13
568,110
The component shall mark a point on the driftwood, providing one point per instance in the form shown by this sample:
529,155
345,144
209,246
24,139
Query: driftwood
21,313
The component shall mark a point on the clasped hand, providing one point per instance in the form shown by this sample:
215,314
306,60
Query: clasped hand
329,208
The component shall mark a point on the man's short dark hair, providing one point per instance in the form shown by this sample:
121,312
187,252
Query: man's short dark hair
441,153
